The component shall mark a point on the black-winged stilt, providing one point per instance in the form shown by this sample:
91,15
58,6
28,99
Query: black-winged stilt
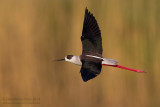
91,59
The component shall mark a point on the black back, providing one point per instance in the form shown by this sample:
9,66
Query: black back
92,43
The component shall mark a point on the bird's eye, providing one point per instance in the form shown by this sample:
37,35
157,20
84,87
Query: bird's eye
69,56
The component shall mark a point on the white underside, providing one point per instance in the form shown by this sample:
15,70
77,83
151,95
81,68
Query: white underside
76,60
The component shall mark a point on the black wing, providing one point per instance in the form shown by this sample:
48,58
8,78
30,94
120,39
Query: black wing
92,44
91,34
90,70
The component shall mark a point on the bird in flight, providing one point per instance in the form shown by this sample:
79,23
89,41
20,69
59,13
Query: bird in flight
91,60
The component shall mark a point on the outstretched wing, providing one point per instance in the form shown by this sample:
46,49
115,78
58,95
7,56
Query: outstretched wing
92,44
90,70
91,34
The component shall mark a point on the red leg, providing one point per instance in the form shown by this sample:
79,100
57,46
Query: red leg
119,66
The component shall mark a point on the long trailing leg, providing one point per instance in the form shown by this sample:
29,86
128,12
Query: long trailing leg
122,67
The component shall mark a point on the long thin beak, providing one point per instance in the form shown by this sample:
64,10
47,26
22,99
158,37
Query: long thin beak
60,60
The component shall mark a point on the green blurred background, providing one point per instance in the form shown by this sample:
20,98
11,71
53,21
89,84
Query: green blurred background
35,32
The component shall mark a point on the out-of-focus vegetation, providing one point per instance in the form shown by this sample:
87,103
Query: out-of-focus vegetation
35,32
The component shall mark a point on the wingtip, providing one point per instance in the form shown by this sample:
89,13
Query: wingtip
86,10
88,13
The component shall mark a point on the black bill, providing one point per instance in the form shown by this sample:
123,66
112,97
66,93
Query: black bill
60,60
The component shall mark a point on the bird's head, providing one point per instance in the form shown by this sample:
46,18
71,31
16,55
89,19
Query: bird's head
67,58
73,59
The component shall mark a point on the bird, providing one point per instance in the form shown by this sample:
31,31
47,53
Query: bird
91,59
